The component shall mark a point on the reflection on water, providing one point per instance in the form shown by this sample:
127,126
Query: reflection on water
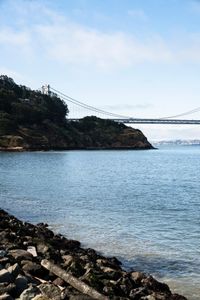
142,206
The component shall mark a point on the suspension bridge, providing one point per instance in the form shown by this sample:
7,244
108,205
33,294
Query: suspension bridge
79,109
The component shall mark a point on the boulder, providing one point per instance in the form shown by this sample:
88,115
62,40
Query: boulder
41,297
32,268
7,288
138,293
21,283
29,293
79,297
20,254
3,253
42,248
50,290
6,297
32,250
67,260
59,281
151,297
152,284
3,261
14,270
137,276
5,276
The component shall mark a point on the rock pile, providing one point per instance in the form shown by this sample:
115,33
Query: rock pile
37,264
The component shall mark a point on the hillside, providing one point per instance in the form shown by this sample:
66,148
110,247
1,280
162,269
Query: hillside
30,120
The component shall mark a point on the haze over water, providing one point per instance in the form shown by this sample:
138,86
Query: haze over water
141,206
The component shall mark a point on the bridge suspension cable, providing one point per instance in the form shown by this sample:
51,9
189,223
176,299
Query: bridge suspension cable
103,112
91,108
190,112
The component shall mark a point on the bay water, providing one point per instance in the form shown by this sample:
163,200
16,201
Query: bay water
141,206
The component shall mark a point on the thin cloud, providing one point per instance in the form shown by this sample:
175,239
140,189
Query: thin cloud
138,14
59,39
11,37
72,43
123,107
55,37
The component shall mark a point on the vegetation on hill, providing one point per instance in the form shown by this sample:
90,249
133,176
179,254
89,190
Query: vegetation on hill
32,120
20,106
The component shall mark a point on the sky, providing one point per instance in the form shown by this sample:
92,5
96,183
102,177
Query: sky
139,58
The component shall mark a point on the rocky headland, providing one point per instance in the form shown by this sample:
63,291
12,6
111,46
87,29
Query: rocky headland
37,264
30,120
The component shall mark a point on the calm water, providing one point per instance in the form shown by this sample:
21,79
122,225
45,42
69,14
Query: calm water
142,206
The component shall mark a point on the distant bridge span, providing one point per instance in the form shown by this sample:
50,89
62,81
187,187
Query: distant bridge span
94,111
151,121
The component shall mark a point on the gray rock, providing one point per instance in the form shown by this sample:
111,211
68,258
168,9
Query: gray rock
156,286
21,283
150,297
2,253
50,290
138,293
20,254
67,260
32,250
29,293
24,261
80,297
31,279
4,260
5,276
31,267
41,297
42,248
59,281
6,297
137,276
7,288
14,270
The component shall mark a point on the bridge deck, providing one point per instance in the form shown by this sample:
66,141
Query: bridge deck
152,121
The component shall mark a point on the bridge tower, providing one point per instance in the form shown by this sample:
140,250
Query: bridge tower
46,89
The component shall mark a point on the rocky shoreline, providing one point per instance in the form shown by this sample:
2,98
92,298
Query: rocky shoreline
21,149
37,264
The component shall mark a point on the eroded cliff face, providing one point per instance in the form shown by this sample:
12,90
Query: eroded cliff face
132,138
41,138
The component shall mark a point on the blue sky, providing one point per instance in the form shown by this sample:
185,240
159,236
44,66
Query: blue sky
133,57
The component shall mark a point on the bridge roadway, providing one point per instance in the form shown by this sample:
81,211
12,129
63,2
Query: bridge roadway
152,121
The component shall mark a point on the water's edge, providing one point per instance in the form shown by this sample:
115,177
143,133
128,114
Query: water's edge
103,275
